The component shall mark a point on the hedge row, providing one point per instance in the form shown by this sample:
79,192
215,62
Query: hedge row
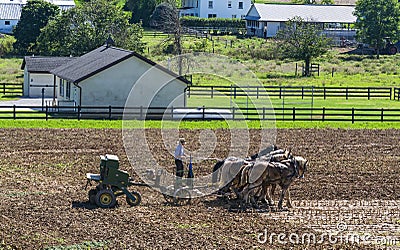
189,21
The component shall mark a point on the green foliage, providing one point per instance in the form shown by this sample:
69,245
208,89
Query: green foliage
301,40
141,10
6,44
377,20
86,27
34,16
190,21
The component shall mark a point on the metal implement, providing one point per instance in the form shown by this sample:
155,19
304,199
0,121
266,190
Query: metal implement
112,183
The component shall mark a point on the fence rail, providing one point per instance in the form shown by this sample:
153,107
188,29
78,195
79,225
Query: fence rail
205,113
11,88
293,91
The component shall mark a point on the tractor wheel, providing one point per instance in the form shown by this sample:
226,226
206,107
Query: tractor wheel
92,196
136,202
105,198
182,197
392,50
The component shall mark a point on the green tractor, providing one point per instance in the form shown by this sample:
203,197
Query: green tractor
111,183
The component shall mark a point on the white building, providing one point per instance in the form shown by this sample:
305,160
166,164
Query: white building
265,20
215,8
105,77
10,12
38,80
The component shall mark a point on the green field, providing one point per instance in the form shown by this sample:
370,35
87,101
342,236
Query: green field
256,56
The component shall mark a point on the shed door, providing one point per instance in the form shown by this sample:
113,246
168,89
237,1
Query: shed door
37,82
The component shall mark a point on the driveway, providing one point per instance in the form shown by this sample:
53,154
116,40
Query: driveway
35,103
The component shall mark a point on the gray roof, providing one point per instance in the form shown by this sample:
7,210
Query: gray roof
10,11
98,60
38,64
318,13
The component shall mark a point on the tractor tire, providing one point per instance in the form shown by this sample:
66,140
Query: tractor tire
92,196
105,198
136,202
392,50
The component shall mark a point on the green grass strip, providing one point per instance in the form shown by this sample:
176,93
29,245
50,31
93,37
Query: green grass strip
97,124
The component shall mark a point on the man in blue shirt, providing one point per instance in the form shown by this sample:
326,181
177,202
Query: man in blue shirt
179,153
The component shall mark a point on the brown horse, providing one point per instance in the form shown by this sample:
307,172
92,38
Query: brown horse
265,173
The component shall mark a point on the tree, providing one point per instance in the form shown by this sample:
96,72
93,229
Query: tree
301,40
6,44
166,18
34,16
377,21
141,10
86,27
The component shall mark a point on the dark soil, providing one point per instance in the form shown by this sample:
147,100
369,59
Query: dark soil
353,177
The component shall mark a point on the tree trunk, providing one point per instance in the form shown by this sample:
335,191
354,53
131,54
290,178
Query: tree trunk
307,67
377,53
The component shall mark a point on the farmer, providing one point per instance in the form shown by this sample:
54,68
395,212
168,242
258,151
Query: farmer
179,153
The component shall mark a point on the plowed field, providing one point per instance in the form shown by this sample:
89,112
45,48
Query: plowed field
349,199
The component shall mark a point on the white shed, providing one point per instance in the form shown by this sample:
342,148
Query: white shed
105,76
37,76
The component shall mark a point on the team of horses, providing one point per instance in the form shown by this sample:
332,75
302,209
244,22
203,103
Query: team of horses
254,179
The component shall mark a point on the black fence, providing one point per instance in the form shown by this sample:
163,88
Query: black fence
205,113
396,93
293,91
11,88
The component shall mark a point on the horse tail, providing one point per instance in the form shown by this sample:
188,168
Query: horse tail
216,167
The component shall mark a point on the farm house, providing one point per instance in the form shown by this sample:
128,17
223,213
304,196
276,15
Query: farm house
105,76
265,20
37,76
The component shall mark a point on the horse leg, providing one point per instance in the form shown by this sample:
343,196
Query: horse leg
269,194
284,189
288,200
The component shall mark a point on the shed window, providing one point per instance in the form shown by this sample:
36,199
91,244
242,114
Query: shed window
212,15
7,23
61,87
68,90
240,5
229,4
210,4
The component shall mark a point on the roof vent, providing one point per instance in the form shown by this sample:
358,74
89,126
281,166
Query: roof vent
109,42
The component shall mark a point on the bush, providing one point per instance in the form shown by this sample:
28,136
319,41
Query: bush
6,44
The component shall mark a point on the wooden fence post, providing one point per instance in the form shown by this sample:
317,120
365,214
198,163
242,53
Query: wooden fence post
109,112
352,115
324,93
212,92
302,92
79,112
369,93
323,114
14,112
382,115
263,113
347,93
4,88
47,112
294,114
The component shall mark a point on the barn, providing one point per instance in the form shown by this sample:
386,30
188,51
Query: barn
105,76
37,76
265,20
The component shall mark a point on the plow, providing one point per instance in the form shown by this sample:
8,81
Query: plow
113,182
